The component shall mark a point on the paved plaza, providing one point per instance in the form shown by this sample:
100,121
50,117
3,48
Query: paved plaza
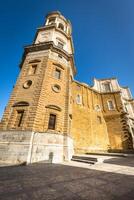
69,181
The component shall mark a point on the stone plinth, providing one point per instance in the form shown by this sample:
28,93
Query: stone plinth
29,147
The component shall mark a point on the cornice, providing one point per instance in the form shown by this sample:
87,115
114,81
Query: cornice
53,26
46,46
129,100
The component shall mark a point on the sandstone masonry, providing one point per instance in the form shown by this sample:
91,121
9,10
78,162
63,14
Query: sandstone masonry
50,116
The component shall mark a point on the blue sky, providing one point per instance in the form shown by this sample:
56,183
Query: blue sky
103,35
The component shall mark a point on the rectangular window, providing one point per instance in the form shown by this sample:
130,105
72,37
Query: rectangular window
110,105
57,74
60,45
20,114
107,87
78,99
34,68
52,122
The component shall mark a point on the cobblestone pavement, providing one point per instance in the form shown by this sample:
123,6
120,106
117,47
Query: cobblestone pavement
70,181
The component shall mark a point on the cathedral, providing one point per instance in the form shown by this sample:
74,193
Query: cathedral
51,116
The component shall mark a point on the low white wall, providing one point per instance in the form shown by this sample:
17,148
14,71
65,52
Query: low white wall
14,146
21,146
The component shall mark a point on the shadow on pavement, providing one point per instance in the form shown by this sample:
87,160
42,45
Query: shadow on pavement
54,181
125,161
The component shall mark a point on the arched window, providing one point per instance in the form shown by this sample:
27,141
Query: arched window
78,99
51,20
60,26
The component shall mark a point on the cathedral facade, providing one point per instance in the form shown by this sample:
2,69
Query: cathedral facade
51,116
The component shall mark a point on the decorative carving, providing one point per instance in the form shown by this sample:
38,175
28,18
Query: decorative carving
58,65
21,103
54,107
34,61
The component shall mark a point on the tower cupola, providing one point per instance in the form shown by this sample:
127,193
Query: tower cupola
57,29
59,21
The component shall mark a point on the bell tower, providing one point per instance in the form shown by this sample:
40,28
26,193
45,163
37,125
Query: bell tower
40,101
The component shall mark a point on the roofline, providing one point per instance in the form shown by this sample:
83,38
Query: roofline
105,79
59,14
89,87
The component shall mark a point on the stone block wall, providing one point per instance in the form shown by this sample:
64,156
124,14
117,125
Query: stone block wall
89,129
51,148
95,127
14,146
21,146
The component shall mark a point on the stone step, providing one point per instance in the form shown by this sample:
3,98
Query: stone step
125,154
87,158
83,161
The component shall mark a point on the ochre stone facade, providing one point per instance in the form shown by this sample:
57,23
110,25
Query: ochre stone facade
91,135
47,101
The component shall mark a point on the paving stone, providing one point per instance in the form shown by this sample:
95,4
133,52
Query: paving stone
61,182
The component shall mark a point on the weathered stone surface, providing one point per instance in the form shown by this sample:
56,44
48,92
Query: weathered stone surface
81,111
52,181
21,146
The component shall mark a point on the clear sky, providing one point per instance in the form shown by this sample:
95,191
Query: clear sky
103,34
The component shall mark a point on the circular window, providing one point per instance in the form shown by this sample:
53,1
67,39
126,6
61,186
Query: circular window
27,84
56,88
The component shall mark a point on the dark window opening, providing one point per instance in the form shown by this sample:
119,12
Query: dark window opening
34,68
52,122
61,26
52,20
57,74
78,99
107,87
20,115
